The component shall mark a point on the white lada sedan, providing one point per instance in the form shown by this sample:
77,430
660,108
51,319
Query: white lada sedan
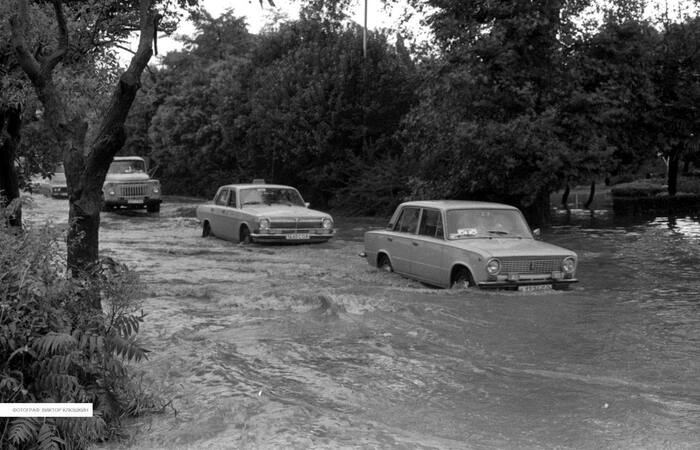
450,243
263,213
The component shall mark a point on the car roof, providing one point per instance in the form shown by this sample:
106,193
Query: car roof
127,158
255,185
457,204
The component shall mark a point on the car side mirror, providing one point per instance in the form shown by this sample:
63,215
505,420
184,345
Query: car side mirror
307,204
537,232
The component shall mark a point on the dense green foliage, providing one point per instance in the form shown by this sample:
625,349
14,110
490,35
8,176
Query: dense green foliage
516,100
298,104
51,350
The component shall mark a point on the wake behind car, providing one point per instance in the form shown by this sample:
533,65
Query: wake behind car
260,212
451,243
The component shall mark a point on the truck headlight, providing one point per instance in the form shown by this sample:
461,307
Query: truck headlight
109,190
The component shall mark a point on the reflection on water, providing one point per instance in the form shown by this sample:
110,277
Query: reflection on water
310,347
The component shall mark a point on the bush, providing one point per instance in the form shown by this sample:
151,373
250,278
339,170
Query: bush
54,350
639,188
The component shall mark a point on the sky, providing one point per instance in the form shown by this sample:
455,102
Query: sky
377,17
257,16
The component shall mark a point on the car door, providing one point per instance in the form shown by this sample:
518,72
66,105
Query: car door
218,210
403,239
428,249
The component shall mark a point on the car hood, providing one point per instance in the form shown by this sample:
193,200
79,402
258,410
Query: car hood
279,211
126,177
503,247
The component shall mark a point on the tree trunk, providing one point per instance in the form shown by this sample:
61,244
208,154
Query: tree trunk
591,196
673,165
85,172
565,197
10,127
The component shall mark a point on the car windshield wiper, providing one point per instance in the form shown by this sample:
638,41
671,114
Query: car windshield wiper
251,203
501,232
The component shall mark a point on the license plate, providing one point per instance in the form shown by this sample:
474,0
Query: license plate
135,201
297,236
535,287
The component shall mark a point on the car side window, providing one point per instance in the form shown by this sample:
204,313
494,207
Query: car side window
232,199
222,198
431,223
408,222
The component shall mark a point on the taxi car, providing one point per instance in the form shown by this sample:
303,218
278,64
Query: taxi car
260,212
450,243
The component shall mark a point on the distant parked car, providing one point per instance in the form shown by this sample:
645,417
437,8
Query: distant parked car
55,185
263,213
462,243
128,185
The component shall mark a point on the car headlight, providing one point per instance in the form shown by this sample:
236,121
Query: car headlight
327,223
493,266
264,224
568,265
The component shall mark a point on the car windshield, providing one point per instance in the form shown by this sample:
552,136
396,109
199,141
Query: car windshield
486,223
130,166
271,196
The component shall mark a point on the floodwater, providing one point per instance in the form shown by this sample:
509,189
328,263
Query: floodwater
310,347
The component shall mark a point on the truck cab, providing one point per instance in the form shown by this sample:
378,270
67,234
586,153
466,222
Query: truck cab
128,185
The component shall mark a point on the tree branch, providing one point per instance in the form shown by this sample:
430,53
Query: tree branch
56,57
19,29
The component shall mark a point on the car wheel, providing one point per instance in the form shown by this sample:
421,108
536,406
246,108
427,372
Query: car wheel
244,236
384,263
206,230
561,287
462,279
153,207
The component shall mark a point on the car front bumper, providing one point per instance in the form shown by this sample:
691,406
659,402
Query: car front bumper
292,237
505,284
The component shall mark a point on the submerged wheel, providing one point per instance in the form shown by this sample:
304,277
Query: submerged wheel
384,263
244,236
462,279
206,229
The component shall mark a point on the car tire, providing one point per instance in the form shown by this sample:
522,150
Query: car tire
206,229
384,263
462,279
244,236
153,207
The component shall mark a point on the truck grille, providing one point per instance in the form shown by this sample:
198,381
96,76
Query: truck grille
133,190
531,265
296,224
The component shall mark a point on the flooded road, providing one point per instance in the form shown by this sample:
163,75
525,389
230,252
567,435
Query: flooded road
310,347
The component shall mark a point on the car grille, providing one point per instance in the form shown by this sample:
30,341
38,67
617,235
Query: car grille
296,224
531,265
133,190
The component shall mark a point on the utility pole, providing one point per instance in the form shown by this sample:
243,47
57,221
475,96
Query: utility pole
364,34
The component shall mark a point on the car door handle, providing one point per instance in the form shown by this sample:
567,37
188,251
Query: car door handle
390,239
415,244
